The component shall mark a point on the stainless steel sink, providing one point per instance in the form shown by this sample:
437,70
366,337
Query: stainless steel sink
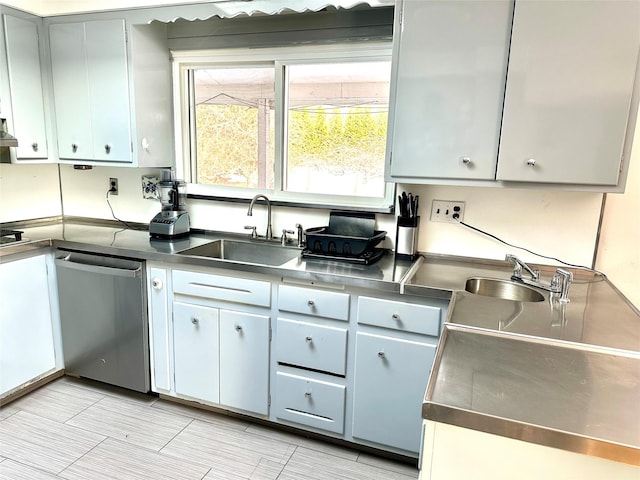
247,252
503,289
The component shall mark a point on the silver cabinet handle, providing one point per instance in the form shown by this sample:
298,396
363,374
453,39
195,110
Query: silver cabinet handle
34,146
107,149
307,394
531,162
395,317
195,321
466,161
308,339
238,328
156,283
74,147
311,303
381,354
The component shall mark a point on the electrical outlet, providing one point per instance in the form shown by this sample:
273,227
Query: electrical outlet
113,186
447,211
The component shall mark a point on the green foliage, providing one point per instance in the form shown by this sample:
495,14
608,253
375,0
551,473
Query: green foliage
324,138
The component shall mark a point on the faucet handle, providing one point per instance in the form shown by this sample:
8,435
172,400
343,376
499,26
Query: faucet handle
284,238
300,231
561,281
253,233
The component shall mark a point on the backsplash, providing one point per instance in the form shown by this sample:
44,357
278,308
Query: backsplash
29,191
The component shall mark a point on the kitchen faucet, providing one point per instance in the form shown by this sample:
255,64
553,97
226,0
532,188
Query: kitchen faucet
269,233
559,283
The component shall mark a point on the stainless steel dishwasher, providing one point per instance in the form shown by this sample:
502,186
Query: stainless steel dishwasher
104,319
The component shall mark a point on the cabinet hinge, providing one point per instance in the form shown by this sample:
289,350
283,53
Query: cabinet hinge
269,401
270,333
131,147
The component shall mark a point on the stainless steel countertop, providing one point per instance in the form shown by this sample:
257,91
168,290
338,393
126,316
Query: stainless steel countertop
560,375
563,376
106,239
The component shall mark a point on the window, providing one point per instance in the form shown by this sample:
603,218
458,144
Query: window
301,124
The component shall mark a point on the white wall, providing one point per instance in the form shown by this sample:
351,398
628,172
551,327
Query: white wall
84,193
560,224
619,247
28,192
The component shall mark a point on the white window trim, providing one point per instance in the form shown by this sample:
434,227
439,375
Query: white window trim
184,60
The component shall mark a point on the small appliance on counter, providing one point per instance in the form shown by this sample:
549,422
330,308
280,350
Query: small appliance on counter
173,220
349,237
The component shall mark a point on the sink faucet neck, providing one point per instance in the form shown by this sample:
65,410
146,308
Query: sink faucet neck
559,283
269,233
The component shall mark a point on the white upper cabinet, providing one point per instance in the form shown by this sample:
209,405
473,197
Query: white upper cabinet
25,86
450,60
112,93
571,75
565,117
91,92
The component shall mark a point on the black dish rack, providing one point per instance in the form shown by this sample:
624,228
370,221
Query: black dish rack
321,242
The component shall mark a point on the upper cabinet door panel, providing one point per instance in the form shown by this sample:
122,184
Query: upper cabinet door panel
71,90
109,89
449,86
25,80
571,73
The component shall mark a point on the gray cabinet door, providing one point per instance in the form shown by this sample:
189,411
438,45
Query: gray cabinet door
390,382
450,62
244,361
568,94
195,349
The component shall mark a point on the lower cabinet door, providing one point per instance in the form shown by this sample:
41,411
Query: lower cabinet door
195,349
390,381
244,361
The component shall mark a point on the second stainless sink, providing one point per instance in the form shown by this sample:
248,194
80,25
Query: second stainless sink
503,289
259,253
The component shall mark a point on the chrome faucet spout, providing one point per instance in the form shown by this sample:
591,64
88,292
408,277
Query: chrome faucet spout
269,233
519,265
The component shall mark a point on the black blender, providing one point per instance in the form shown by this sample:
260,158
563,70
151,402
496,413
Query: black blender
173,220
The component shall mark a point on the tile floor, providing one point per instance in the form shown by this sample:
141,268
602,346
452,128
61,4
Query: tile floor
75,429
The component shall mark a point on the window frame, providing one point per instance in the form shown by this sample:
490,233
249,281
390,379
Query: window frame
277,57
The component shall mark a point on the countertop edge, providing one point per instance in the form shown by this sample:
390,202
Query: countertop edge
530,433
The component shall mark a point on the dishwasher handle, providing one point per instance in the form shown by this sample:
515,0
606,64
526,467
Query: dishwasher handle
66,262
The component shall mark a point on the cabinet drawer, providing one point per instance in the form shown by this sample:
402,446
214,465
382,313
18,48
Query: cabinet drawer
318,303
311,346
221,287
310,402
407,317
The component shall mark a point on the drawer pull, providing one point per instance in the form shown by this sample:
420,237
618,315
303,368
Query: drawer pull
311,303
74,147
238,328
381,354
195,321
308,339
307,394
34,146
396,317
156,283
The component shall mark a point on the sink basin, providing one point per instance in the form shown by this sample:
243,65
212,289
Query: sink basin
503,289
246,252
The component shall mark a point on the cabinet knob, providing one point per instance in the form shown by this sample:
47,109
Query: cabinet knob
238,328
308,339
195,321
107,149
396,317
156,283
34,146
531,162
381,354
74,147
307,394
467,161
311,303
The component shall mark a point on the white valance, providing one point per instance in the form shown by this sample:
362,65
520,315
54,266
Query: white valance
235,8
